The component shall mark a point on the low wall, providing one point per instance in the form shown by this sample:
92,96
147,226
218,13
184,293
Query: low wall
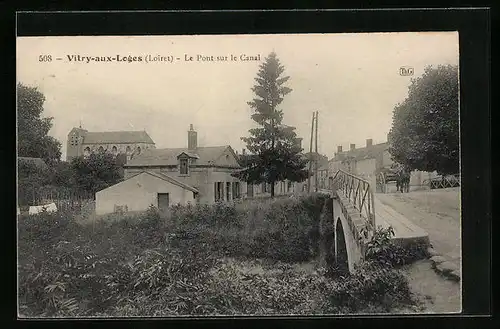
351,224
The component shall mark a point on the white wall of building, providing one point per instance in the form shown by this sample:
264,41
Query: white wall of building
138,193
367,169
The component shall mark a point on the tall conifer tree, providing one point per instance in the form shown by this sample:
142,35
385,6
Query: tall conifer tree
275,154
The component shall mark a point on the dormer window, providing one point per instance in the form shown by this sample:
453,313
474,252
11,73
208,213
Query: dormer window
183,164
185,159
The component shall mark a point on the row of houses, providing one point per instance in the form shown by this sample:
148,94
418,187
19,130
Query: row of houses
368,162
203,175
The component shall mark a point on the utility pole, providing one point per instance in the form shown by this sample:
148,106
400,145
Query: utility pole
310,155
316,160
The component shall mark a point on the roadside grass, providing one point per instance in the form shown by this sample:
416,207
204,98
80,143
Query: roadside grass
222,259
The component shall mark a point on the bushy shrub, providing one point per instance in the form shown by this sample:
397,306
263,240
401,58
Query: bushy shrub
372,288
284,229
382,249
154,264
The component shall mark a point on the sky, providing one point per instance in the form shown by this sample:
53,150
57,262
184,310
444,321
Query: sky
352,80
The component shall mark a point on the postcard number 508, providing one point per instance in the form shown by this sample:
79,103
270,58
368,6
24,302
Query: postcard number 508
45,58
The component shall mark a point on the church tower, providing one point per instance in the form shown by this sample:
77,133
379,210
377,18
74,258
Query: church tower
75,141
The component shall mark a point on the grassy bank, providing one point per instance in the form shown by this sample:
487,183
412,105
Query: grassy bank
204,260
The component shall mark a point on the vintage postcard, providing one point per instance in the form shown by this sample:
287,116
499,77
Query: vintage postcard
228,175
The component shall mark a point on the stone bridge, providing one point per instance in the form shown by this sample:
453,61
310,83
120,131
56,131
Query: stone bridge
356,213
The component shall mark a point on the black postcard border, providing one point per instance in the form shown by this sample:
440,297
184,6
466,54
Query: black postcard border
473,26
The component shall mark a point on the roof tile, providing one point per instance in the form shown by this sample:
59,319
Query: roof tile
117,137
168,157
363,153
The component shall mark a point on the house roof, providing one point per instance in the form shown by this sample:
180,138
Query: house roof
36,161
168,157
170,180
363,153
163,177
117,137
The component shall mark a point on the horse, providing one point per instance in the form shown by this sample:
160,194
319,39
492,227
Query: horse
403,180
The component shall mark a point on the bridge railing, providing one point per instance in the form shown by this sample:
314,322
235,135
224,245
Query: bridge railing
359,193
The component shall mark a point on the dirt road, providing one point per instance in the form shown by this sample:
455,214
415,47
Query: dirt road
438,213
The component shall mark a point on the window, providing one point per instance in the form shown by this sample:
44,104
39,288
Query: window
264,187
114,150
128,150
101,149
228,191
183,166
74,139
218,190
138,150
249,190
236,190
86,152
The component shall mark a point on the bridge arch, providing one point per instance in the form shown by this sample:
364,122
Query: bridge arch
353,216
341,257
344,238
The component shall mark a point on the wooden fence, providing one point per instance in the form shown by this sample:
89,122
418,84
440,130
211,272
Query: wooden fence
65,200
443,181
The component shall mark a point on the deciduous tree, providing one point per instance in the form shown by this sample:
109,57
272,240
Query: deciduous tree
425,128
96,172
32,134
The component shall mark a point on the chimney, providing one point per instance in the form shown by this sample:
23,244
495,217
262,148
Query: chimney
243,151
339,149
298,142
369,142
192,138
353,146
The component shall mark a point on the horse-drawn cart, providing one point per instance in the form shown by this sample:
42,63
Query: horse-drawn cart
385,176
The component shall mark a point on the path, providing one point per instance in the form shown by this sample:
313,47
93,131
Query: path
435,211
438,294
438,213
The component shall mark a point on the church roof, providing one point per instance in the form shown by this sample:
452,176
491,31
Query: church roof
363,153
117,137
209,155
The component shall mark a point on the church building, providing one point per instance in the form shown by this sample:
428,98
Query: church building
83,143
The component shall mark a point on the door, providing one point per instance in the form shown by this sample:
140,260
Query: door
163,201
249,190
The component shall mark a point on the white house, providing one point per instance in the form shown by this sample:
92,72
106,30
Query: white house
142,190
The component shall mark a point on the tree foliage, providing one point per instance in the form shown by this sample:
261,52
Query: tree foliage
62,174
30,178
425,128
33,138
96,172
275,155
